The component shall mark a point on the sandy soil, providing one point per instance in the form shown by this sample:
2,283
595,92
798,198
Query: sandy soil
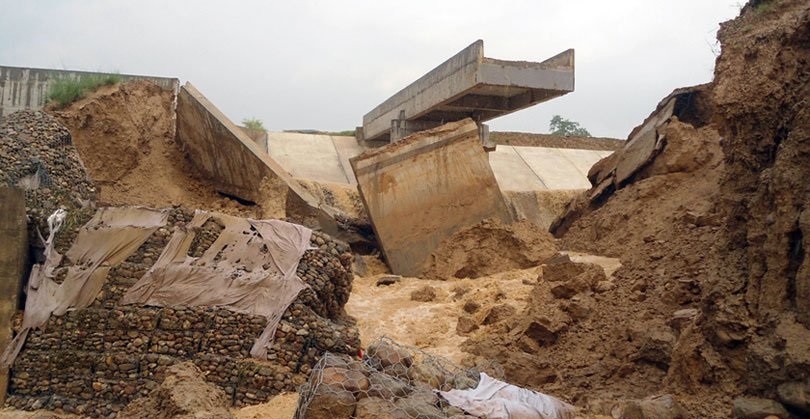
555,141
124,134
489,247
279,407
389,310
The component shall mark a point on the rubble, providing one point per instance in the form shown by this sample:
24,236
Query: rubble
391,380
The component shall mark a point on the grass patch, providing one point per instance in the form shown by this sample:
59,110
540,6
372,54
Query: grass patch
349,133
65,91
254,124
762,6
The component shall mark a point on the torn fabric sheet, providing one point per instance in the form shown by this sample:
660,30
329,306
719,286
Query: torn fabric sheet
250,268
496,399
109,238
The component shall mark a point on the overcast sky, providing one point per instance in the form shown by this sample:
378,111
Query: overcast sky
324,64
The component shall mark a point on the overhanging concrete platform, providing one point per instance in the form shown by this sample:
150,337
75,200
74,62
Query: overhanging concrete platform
469,85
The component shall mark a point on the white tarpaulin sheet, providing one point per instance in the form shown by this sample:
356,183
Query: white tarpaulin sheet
495,399
250,268
108,239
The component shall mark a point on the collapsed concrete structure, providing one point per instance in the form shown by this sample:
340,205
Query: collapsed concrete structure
422,189
23,88
468,85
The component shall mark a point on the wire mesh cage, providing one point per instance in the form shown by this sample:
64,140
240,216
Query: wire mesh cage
390,381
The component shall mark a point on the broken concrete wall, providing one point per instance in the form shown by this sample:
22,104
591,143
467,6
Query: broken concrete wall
422,189
13,252
259,136
235,164
27,88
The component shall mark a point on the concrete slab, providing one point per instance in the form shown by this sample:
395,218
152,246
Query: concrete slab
307,156
469,85
347,147
422,189
512,172
553,168
236,165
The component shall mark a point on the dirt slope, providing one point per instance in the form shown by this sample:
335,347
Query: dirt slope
124,134
711,302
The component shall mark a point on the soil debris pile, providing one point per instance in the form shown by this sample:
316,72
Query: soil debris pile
183,394
37,154
756,314
125,136
706,208
490,247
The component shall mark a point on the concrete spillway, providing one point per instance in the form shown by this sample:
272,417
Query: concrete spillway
325,158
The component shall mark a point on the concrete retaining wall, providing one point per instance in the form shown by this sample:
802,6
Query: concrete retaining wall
422,189
235,164
27,88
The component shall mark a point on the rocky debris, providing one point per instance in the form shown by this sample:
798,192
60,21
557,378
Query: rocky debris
490,247
465,325
391,381
681,318
425,294
96,360
183,394
471,306
386,387
500,313
656,407
388,280
756,408
796,395
656,344
545,330
570,278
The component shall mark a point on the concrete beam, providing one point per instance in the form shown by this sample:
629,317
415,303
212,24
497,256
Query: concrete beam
471,85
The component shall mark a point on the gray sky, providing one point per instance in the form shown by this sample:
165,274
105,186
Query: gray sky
324,64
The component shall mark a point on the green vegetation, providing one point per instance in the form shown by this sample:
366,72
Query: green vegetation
567,128
349,133
68,90
253,123
762,6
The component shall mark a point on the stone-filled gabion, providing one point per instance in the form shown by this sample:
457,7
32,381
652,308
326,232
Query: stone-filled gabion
37,154
96,360
390,381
